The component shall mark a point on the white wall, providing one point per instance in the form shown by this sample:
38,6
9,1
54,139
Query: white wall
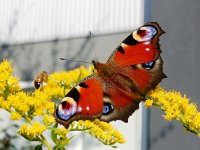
32,21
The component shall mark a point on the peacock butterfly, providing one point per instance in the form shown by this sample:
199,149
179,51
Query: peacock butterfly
119,85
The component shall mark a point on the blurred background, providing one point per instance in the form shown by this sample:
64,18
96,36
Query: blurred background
35,34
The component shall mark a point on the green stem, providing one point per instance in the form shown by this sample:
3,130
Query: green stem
79,129
45,142
27,119
64,89
6,91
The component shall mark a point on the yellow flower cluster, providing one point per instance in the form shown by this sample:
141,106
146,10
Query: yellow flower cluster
8,83
176,107
148,103
48,120
59,83
59,136
34,131
102,131
62,132
15,116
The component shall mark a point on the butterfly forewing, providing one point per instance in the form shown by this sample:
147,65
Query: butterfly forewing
141,46
84,101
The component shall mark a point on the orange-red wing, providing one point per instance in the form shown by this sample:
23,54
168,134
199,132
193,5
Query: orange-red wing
139,47
145,79
91,97
120,103
84,101
127,87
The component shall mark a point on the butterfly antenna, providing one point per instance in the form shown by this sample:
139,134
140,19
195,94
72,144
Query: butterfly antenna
75,60
92,43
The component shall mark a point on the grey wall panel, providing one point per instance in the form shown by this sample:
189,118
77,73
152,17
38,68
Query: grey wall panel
180,19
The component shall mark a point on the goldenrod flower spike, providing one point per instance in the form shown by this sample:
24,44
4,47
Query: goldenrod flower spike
176,107
8,84
100,130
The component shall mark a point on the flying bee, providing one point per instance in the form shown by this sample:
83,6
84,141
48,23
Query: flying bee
40,79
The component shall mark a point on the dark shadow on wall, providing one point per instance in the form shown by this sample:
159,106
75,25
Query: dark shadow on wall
31,58
162,133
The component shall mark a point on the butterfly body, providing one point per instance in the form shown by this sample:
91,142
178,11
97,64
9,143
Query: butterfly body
119,85
113,75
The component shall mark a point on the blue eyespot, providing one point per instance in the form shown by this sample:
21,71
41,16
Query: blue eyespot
148,65
64,115
107,108
65,110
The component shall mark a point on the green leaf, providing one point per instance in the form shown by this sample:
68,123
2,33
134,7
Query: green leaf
114,146
38,147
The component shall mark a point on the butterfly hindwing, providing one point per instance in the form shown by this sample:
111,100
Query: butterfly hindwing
128,88
118,103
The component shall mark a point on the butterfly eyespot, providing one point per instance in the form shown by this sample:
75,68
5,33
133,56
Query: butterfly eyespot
145,33
141,32
148,65
63,104
107,108
66,109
